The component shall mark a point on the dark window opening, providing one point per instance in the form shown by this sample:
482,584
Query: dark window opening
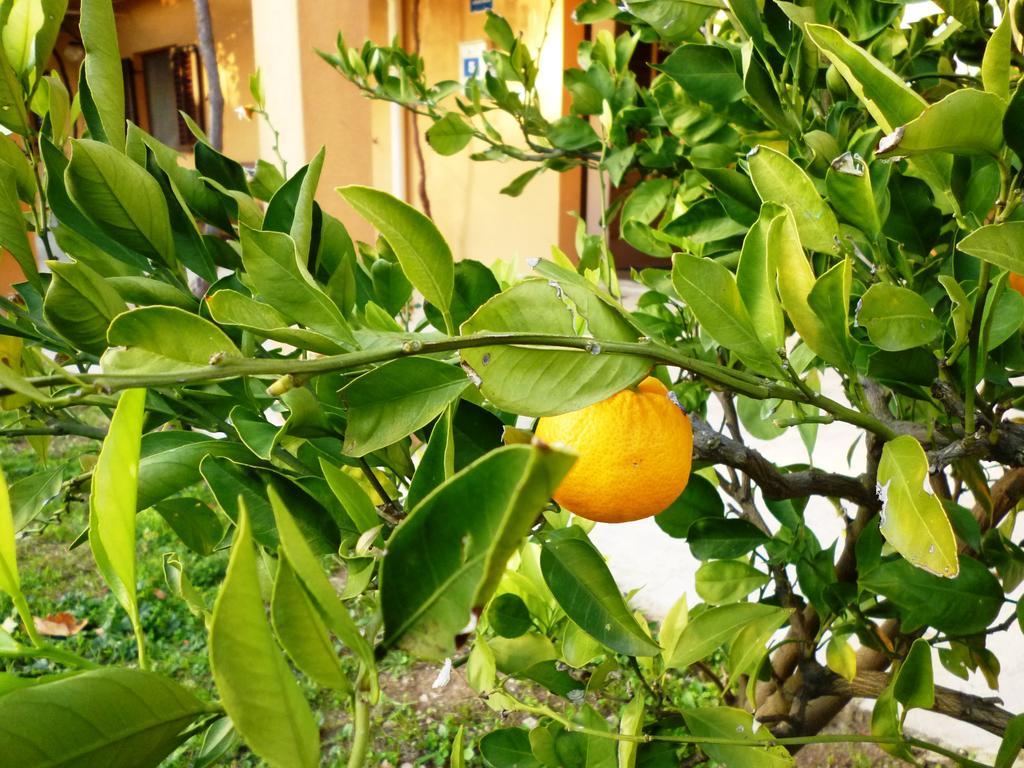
160,85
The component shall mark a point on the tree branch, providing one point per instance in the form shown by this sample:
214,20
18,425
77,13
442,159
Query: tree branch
710,445
982,712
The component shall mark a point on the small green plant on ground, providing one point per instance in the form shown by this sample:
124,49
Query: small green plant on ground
834,194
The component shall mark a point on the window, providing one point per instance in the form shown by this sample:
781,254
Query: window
161,84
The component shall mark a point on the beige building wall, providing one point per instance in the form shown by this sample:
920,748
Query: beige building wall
465,198
145,25
371,142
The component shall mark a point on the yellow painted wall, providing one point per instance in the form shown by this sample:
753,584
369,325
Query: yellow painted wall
144,25
479,222
308,101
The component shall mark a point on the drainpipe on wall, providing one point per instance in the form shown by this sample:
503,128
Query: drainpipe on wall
397,116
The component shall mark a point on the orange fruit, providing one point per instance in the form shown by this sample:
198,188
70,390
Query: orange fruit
1017,282
634,452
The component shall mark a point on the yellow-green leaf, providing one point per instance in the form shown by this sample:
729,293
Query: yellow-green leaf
112,501
912,519
256,686
778,179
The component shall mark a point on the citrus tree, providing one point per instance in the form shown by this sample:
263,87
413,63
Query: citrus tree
836,198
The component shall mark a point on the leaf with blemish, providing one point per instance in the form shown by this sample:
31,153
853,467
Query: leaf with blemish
912,519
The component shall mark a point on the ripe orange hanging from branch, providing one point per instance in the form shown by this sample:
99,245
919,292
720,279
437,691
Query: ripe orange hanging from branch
634,448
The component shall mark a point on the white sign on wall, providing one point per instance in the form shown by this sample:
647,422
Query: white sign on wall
471,60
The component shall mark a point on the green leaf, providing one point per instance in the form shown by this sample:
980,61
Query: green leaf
885,721
142,291
458,759
475,283
256,686
778,179
710,290
703,222
152,340
959,607
995,64
308,571
631,724
124,201
395,399
1013,121
829,299
13,235
897,318
850,193
196,524
706,72
170,462
914,684
449,135
273,265
715,627
841,658
647,201
302,632
756,278
580,580
912,519
30,495
353,498
728,581
24,175
71,217
301,219
80,305
964,11
671,19
442,563
421,250
229,307
108,718
112,502
715,537
572,133
967,121
1013,742
544,382
999,244
102,71
887,97
437,463
508,615
13,115
699,500
735,724
960,306
9,581
508,748
796,284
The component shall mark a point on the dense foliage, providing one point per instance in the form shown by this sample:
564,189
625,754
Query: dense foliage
839,196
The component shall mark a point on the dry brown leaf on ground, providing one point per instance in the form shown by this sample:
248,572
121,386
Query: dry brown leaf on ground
61,624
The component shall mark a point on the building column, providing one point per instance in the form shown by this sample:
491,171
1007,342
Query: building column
309,103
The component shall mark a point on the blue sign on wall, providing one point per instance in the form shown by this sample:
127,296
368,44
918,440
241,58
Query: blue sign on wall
476,6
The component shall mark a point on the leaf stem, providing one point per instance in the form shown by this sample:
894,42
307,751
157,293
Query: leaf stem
231,368
21,605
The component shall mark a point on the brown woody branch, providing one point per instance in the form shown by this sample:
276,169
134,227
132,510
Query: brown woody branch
985,713
709,445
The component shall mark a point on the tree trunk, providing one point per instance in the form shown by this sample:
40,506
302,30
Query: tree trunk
208,54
